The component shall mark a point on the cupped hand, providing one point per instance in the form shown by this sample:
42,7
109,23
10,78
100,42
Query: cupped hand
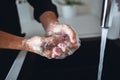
43,46
68,41
61,41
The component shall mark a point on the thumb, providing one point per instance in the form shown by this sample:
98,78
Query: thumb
71,34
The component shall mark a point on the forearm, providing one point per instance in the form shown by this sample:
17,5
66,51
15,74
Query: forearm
47,19
9,41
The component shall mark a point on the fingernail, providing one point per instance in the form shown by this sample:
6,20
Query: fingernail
54,55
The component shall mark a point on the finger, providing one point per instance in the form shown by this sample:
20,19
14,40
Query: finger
47,54
56,52
70,32
71,45
66,49
63,47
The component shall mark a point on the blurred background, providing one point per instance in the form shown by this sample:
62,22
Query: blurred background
83,15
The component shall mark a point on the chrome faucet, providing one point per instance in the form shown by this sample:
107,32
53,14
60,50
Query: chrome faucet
107,13
106,23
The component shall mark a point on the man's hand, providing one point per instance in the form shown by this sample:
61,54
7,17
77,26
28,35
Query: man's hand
43,46
68,41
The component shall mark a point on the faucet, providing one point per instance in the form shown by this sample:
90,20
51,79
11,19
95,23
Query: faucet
106,23
107,13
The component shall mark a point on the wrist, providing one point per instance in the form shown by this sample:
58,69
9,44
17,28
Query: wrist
24,44
51,26
34,44
48,19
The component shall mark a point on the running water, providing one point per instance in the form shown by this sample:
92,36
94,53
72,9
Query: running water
106,24
102,47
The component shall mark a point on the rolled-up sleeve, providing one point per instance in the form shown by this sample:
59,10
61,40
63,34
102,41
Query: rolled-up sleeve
40,6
